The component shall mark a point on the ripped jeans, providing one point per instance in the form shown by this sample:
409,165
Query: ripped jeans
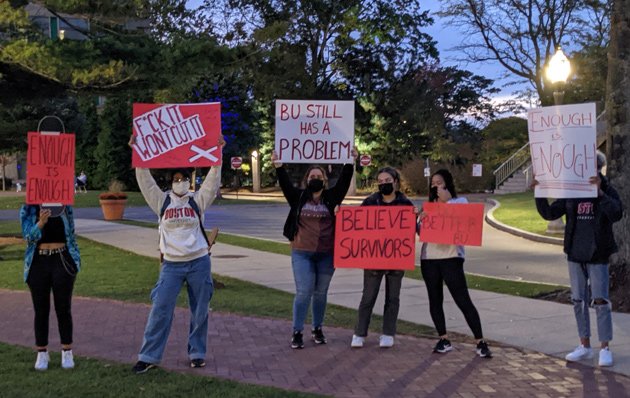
589,286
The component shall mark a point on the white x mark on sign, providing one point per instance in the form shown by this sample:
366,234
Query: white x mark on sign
201,153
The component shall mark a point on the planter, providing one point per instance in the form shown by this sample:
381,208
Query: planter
113,209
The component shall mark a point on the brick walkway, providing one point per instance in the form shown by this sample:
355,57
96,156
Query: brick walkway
255,350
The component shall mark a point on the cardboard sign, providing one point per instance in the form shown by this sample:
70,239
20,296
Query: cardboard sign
50,169
452,223
563,148
314,131
375,237
176,135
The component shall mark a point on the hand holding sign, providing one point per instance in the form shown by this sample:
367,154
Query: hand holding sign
453,224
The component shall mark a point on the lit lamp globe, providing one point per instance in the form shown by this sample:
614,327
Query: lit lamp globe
558,72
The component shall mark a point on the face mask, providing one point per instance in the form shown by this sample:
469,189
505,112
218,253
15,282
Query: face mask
386,189
181,188
315,185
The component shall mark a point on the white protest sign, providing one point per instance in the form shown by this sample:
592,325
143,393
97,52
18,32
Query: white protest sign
314,131
562,142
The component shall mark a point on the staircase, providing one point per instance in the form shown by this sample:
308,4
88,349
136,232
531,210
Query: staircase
518,182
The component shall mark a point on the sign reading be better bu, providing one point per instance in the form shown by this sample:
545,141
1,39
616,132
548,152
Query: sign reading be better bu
562,142
314,131
176,135
452,223
50,168
375,237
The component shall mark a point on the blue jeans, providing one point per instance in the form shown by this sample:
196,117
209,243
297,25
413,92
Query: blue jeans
597,274
312,272
196,273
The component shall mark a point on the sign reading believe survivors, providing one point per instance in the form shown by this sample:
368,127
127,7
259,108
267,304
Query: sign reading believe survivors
176,135
50,168
314,131
375,237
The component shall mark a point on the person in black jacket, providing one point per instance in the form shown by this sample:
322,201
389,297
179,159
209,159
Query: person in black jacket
588,243
388,195
310,226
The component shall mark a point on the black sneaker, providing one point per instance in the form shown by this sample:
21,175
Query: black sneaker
483,350
197,363
318,336
443,346
142,367
297,341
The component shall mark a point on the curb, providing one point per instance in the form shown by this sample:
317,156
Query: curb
515,231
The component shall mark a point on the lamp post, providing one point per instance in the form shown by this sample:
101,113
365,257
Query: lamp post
255,172
557,73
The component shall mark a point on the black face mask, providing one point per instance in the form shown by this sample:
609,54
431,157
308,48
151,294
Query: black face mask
386,189
315,185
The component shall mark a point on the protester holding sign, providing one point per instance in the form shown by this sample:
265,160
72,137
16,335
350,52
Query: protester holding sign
388,195
588,243
444,263
310,226
184,249
51,262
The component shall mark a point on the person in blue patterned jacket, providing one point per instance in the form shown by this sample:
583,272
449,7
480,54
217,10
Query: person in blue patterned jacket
51,262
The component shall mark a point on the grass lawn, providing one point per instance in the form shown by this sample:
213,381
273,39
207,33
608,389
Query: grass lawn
90,199
519,210
96,378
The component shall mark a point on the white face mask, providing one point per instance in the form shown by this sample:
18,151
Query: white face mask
181,188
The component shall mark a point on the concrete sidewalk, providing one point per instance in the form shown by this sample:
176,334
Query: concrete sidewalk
537,325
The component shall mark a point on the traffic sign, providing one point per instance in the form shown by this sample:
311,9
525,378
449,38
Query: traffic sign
236,162
365,160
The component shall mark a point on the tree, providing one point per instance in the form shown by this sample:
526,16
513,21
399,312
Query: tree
521,35
618,116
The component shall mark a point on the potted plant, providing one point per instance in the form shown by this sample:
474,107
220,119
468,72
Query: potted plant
113,201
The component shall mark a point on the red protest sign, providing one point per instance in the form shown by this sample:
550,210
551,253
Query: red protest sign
375,237
365,160
236,162
452,223
50,168
176,135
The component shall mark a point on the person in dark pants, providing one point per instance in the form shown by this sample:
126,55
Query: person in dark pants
588,243
387,195
442,263
310,226
51,262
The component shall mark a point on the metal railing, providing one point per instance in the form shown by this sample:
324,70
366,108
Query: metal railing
514,162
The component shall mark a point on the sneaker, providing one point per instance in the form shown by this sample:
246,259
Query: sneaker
357,341
580,353
386,341
197,363
483,350
142,367
297,341
443,346
318,336
605,357
67,360
42,360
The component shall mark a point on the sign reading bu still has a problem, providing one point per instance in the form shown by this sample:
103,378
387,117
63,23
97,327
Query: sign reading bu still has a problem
314,131
375,237
50,168
176,135
563,150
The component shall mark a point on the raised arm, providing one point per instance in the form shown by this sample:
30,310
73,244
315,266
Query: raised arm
291,193
551,211
209,188
152,193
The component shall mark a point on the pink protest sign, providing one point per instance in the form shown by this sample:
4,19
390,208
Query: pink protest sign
176,135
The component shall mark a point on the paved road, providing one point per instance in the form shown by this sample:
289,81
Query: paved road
502,255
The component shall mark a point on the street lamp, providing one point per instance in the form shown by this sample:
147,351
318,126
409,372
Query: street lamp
558,72
255,172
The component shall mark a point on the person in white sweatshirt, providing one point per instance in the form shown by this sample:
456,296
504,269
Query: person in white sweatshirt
444,264
185,258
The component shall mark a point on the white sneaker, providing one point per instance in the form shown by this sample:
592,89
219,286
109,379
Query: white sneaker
42,360
605,357
386,341
67,360
579,353
357,341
